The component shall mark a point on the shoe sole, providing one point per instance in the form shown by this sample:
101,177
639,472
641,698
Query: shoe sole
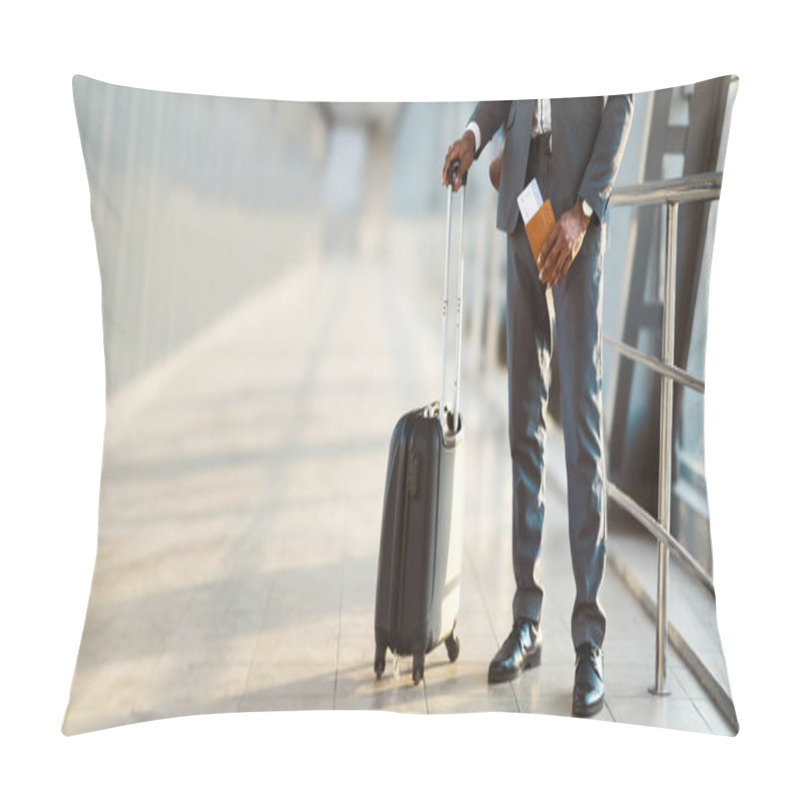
588,711
531,660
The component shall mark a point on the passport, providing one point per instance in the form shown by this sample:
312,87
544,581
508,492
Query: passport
538,217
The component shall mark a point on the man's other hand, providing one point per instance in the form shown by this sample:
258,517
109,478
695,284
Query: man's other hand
462,149
562,245
495,169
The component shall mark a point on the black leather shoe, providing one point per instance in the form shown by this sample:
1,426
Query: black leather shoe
588,695
522,649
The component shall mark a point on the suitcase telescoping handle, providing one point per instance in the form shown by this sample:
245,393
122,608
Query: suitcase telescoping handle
445,306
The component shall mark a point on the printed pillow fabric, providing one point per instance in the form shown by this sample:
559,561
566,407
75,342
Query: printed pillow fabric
271,280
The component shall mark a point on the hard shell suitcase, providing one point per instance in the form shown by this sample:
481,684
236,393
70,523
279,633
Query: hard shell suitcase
419,564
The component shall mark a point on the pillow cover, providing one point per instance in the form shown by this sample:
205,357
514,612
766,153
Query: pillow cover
271,280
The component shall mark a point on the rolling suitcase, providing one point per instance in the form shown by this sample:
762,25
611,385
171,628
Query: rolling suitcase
419,564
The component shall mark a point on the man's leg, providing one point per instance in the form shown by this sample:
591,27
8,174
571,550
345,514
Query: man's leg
578,305
529,338
578,308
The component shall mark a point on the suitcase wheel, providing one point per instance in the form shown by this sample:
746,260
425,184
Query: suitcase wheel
418,667
453,646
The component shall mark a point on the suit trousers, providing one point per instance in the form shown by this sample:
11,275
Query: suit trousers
572,316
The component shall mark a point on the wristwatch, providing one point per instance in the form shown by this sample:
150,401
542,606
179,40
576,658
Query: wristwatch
587,209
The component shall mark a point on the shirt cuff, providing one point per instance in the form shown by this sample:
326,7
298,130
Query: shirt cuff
476,132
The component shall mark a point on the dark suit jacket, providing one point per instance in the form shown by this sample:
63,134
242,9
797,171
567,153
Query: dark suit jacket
589,137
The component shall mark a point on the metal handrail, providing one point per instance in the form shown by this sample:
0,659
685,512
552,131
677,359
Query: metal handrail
676,373
659,532
694,188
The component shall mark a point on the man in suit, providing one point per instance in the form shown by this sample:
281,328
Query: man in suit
573,147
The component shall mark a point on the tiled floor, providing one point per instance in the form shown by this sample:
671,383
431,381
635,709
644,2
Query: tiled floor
239,529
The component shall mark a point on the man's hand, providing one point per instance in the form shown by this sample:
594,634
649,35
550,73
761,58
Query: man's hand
495,169
562,245
462,149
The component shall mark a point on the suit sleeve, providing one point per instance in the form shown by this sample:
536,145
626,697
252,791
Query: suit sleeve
489,116
609,145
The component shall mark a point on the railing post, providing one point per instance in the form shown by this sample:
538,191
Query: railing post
665,451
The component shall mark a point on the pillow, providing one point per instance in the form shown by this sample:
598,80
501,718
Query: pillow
271,280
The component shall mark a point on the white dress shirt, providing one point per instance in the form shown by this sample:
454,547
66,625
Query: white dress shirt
542,123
